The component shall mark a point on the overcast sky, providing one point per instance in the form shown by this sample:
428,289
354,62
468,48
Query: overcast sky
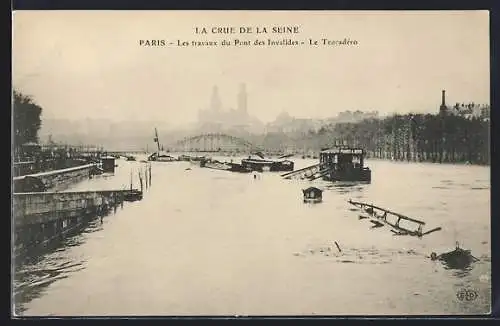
89,63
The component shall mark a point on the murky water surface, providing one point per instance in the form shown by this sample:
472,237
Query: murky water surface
208,242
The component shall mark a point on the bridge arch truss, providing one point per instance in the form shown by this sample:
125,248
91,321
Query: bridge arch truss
213,142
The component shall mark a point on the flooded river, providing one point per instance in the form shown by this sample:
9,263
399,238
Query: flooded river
209,242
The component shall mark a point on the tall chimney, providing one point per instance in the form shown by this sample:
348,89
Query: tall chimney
443,109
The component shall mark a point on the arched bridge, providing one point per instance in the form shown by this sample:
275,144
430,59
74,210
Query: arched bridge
213,142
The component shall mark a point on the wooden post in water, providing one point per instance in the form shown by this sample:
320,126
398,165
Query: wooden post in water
150,174
130,180
140,178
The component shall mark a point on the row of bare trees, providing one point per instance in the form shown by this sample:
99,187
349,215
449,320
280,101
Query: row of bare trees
413,137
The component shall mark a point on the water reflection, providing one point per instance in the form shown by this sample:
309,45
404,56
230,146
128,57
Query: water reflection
37,269
459,271
346,187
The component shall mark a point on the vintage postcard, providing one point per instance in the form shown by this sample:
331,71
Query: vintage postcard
251,163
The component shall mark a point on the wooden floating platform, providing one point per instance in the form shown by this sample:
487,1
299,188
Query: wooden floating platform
381,215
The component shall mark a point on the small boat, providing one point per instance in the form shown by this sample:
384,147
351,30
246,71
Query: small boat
312,195
132,194
160,155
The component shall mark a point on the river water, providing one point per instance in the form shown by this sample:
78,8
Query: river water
209,242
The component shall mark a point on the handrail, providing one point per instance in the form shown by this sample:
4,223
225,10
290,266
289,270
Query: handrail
388,211
54,172
299,170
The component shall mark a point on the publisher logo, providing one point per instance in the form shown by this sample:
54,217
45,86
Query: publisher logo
467,295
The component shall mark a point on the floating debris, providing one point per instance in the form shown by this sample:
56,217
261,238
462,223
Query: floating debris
456,259
382,214
376,224
338,247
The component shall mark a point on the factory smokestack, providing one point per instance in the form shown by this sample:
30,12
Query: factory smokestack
443,109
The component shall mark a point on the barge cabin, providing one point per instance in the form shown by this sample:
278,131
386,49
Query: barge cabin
344,163
313,195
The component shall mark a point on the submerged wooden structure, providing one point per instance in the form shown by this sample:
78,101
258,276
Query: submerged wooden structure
313,195
381,218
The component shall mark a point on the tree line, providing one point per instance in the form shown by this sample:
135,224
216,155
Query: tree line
26,121
439,138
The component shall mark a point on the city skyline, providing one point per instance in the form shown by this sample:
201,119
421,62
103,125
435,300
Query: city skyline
89,64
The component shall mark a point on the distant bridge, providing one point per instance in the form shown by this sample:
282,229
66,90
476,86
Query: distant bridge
213,142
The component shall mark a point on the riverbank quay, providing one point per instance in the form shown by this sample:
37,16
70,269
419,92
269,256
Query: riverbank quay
54,180
39,217
34,158
55,205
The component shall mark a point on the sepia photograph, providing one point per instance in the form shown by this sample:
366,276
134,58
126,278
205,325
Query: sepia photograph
250,163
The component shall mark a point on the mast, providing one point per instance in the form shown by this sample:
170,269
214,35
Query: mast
157,141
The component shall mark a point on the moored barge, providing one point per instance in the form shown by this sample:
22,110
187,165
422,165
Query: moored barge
225,166
344,163
262,165
161,157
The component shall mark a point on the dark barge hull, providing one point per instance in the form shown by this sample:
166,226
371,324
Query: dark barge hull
187,158
357,175
231,167
272,166
235,167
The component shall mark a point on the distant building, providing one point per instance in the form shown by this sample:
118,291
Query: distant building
215,118
287,124
356,116
469,110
